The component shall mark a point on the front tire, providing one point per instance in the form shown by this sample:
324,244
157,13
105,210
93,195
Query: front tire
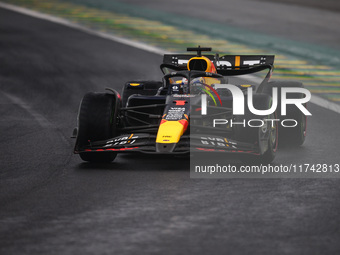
97,121
265,137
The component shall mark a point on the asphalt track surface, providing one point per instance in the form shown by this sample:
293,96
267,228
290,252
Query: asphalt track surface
53,203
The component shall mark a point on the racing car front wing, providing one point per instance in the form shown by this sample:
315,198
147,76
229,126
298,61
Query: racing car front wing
146,143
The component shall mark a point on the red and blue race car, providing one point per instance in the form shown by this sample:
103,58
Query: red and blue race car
193,109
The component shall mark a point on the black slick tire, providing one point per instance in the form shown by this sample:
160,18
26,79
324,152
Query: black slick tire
289,136
97,121
266,137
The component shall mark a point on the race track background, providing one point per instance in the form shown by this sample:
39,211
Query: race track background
53,203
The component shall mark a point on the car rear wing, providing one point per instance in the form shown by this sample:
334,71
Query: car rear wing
226,64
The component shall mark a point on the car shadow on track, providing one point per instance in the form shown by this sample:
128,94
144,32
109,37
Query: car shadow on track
151,162
141,162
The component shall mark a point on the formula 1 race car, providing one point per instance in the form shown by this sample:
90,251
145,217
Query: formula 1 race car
207,103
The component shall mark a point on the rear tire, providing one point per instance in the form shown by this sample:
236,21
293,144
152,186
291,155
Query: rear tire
145,88
292,136
97,121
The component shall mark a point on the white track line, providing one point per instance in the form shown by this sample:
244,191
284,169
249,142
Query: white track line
325,103
43,122
315,99
67,23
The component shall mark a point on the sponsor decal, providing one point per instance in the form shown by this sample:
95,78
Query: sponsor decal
217,141
123,140
175,113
